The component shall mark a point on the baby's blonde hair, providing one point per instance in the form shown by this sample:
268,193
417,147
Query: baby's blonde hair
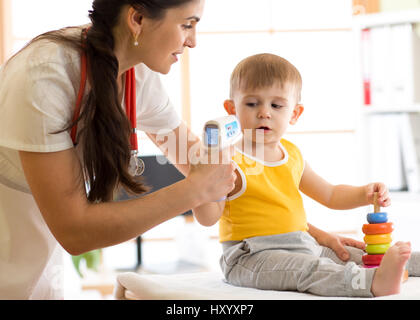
263,70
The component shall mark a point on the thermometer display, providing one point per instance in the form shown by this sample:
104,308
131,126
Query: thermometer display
212,134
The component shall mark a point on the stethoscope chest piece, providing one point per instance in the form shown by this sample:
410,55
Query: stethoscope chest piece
136,167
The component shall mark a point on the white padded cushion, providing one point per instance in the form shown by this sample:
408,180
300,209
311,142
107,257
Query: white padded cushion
212,286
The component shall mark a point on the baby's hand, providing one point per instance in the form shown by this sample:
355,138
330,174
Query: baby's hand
383,194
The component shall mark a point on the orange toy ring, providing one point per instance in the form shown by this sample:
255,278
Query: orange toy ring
378,228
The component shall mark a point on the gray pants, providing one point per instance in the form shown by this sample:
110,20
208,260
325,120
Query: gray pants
295,261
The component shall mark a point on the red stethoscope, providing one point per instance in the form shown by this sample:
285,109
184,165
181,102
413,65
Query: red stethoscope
136,166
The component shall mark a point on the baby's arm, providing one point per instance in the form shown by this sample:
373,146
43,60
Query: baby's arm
341,197
209,213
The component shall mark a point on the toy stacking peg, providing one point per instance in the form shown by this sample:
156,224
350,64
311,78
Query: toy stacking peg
376,206
378,236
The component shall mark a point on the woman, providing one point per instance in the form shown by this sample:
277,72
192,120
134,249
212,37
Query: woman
43,198
48,150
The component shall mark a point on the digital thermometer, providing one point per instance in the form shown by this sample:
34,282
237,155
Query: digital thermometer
222,132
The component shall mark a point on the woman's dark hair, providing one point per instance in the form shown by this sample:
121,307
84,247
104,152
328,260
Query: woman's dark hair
105,136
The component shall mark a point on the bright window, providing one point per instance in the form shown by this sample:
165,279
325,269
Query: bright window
31,18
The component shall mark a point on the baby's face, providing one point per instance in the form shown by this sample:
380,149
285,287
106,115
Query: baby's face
267,110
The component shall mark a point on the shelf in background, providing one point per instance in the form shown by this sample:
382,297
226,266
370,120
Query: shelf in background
387,18
405,196
406,109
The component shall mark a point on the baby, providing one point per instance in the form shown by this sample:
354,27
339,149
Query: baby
267,241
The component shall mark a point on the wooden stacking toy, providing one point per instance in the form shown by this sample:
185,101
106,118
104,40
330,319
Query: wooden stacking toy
378,237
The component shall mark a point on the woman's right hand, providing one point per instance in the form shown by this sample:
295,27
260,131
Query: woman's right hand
214,174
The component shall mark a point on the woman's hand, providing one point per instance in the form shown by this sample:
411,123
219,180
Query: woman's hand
335,242
213,173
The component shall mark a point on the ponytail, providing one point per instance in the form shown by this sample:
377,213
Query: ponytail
106,133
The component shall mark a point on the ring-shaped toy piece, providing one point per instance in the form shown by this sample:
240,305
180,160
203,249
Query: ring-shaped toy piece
405,276
377,248
377,217
378,228
372,259
378,238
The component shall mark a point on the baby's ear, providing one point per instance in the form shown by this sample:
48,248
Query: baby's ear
296,113
230,107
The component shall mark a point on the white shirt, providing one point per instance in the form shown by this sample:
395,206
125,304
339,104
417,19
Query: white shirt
38,90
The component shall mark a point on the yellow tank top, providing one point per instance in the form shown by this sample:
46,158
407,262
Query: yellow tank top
269,201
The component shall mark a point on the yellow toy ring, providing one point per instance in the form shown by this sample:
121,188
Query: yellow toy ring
377,248
377,238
